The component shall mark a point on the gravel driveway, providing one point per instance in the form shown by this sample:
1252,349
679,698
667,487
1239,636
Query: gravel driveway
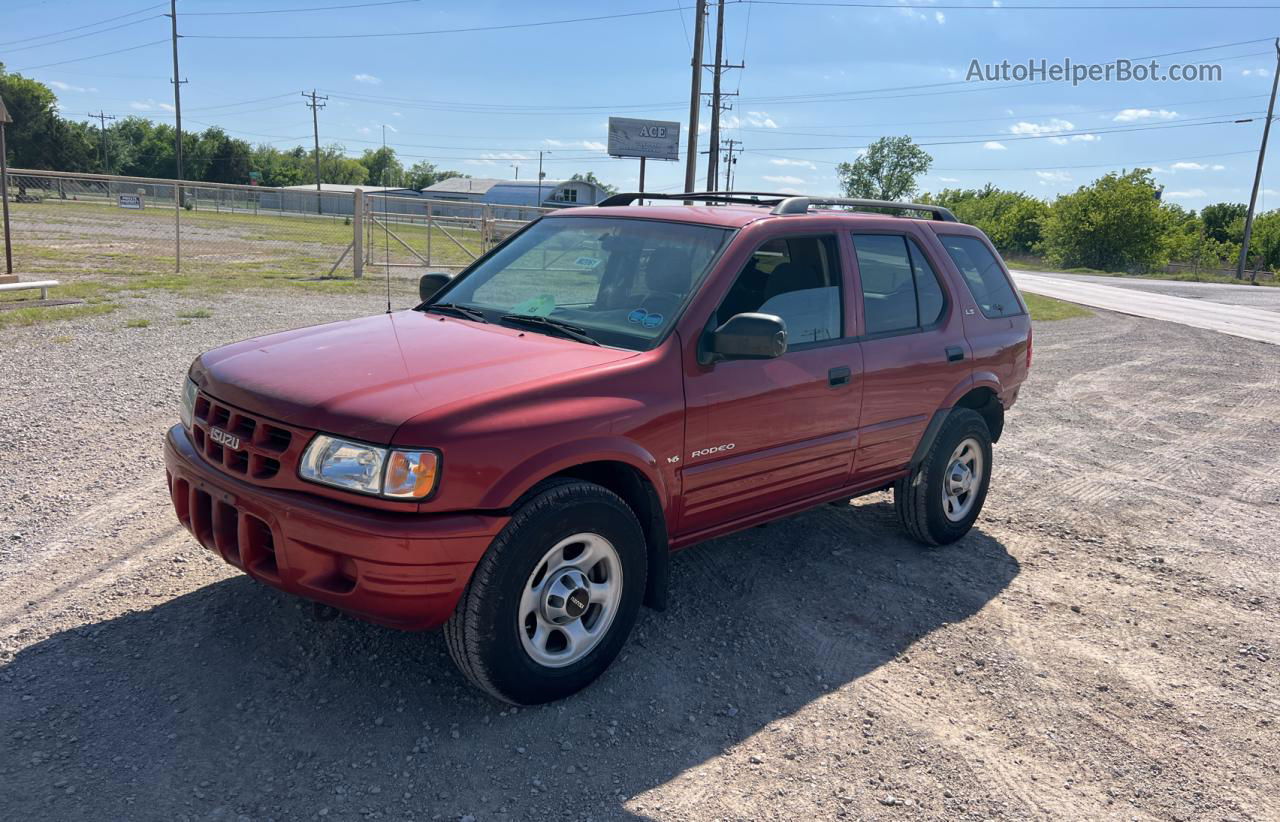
1103,645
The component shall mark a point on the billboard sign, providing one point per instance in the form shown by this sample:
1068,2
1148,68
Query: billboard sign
654,139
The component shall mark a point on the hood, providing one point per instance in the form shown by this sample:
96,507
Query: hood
363,378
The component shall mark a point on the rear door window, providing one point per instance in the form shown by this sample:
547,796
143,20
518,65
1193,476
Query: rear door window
900,291
983,274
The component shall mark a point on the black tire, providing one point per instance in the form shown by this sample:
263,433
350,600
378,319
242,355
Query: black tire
918,498
483,635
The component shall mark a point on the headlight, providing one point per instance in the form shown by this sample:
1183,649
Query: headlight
187,410
369,469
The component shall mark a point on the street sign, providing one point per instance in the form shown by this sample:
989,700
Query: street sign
131,201
654,139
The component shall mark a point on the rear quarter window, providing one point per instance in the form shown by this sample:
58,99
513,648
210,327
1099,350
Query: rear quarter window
984,275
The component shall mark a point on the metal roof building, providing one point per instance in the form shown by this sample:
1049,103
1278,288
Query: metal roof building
550,194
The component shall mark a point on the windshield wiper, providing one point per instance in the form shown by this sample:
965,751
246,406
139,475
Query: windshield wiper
564,329
464,311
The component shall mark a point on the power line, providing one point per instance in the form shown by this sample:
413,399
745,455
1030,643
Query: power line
296,11
1038,7
464,30
84,26
86,34
93,56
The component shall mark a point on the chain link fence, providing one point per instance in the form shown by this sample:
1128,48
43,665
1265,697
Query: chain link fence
69,224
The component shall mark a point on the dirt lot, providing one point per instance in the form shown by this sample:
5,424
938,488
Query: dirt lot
1103,645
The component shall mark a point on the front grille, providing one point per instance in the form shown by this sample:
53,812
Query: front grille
242,443
242,539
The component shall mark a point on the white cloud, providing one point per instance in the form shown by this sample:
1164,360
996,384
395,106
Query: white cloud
1051,177
784,161
992,145
494,158
368,79
1257,72
396,114
61,86
916,14
1054,126
1075,138
1189,166
593,145
783,179
949,179
755,119
150,105
1131,115
1184,195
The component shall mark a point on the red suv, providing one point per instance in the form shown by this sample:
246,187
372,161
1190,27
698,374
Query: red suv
516,457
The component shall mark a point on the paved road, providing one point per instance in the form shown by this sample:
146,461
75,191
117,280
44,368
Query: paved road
1239,310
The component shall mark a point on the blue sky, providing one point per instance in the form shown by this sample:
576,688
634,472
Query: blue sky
481,101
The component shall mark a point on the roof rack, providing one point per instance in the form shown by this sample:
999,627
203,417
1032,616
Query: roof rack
740,197
800,205
783,204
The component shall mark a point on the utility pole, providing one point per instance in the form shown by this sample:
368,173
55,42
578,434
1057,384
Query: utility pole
102,118
315,107
1257,175
717,104
695,97
540,176
516,166
730,145
177,115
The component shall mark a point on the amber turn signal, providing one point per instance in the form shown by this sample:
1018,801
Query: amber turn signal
410,474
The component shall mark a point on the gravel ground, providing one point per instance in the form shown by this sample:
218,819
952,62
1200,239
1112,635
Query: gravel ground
1102,645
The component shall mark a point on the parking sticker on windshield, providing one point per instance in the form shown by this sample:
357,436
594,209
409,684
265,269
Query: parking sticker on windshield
539,306
643,317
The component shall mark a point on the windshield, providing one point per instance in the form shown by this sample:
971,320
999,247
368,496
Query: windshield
622,281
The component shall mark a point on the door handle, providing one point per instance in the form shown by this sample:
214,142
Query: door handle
839,376
954,353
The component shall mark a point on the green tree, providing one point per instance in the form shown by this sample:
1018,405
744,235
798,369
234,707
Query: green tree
590,177
422,174
887,171
337,167
38,137
1264,241
1011,219
1113,224
1224,222
384,168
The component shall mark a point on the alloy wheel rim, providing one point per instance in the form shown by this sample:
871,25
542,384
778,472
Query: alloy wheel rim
570,600
962,479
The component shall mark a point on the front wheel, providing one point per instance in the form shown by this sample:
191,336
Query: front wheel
554,598
941,498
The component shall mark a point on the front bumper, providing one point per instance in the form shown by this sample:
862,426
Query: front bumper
401,570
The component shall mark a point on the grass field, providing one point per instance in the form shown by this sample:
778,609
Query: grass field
1047,309
1029,264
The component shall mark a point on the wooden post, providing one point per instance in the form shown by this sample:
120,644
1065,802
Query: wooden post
428,234
357,234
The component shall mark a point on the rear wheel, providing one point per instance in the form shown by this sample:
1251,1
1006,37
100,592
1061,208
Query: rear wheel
554,598
941,498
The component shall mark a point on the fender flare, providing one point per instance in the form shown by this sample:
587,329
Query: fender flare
979,379
552,461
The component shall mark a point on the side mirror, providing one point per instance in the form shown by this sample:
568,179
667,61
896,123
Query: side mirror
748,337
431,283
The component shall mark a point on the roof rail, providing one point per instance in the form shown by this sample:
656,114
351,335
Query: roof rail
800,205
741,197
783,204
